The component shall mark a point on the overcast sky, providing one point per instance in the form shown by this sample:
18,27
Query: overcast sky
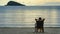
32,2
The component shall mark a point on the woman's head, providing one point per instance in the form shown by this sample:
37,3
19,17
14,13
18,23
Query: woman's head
40,18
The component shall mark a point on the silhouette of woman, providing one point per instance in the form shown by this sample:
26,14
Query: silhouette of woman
39,25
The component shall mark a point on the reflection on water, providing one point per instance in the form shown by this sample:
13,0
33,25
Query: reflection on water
24,16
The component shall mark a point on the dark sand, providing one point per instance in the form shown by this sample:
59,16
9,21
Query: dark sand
25,30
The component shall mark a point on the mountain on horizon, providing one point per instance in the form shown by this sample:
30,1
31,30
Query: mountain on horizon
13,3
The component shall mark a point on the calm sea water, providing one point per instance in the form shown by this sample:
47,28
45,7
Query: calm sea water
24,16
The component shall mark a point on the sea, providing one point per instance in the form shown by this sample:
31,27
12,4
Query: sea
24,16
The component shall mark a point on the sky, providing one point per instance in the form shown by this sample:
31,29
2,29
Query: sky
32,2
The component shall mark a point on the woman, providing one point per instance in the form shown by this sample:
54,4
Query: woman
39,25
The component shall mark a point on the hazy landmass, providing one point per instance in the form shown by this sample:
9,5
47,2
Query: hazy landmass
13,3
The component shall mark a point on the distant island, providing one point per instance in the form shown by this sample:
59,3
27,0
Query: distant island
13,3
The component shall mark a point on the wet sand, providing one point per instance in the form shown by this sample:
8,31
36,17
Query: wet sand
28,30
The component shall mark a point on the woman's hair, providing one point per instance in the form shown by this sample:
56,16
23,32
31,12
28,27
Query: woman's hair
40,18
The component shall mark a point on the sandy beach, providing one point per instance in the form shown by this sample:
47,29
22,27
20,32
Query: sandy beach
28,30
